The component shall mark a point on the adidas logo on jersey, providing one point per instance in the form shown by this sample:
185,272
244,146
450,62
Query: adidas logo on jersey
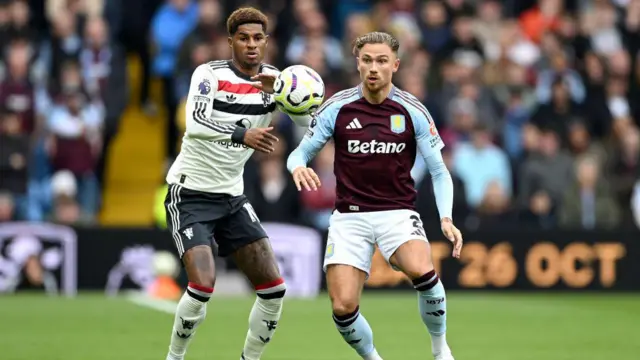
374,147
354,124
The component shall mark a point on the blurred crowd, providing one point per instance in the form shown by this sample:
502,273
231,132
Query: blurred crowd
62,92
538,101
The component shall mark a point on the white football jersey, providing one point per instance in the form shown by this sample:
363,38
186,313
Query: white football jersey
220,100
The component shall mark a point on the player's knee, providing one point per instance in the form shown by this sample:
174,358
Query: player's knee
274,290
419,272
206,280
344,305
427,281
198,262
418,268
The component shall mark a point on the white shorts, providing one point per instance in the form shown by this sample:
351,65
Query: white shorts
353,236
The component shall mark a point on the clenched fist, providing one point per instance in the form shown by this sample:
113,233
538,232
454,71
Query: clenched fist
304,176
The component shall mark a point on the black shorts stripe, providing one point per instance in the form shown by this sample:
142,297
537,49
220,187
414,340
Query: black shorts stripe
174,217
243,109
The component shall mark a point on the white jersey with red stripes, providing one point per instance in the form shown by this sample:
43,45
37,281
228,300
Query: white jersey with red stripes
220,99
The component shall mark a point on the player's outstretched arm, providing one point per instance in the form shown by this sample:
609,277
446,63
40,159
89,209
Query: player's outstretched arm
443,190
199,109
319,132
430,145
264,82
298,160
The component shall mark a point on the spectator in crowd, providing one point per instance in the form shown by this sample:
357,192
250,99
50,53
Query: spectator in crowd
464,45
624,166
480,163
589,203
487,27
75,145
207,31
559,113
130,22
543,180
82,8
65,44
14,170
581,144
436,33
357,24
545,16
559,73
171,25
313,33
20,27
515,118
17,92
7,207
66,210
494,210
319,204
104,70
276,199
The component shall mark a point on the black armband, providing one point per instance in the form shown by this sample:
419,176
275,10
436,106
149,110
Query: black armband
238,135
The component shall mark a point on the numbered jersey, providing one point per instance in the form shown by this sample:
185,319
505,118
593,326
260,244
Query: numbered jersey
220,99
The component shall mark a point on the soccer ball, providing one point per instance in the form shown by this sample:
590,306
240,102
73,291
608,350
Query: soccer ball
298,90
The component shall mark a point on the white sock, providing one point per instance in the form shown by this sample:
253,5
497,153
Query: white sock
373,355
439,344
190,312
263,319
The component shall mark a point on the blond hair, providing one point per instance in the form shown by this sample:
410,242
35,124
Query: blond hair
376,37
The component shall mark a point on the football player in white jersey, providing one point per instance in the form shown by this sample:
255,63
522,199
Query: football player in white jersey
229,107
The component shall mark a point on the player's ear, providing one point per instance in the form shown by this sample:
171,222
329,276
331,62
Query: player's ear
396,65
230,41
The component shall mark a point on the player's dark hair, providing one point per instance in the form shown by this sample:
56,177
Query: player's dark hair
246,15
375,37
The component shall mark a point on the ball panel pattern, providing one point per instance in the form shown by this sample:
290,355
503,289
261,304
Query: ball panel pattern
298,90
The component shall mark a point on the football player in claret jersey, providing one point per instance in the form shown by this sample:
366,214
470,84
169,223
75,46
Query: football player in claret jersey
229,107
377,130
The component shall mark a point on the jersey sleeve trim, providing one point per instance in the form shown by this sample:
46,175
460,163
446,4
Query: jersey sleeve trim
269,67
200,117
415,103
337,98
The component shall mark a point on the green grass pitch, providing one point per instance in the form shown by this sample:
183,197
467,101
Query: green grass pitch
481,326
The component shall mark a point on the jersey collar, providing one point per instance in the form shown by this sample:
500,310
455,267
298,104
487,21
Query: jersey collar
239,73
390,96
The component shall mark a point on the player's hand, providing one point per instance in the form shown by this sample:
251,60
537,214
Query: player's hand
264,82
260,139
304,176
453,234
